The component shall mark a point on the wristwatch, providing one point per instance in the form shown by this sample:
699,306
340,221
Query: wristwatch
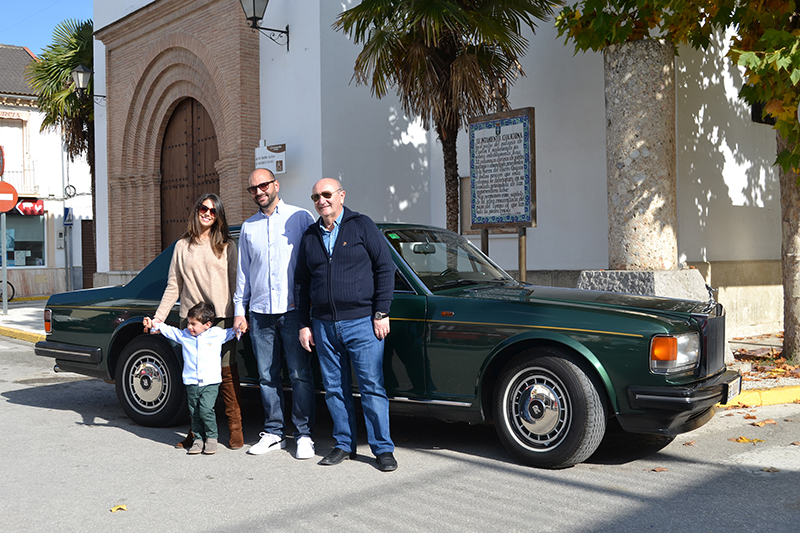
381,316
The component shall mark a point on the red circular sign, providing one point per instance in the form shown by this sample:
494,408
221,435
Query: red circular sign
8,197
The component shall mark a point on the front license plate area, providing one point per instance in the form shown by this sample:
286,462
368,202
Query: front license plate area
734,389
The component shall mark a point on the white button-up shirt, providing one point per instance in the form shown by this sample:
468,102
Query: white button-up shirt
268,247
201,354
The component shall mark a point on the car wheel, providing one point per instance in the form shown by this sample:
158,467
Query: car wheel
148,381
547,411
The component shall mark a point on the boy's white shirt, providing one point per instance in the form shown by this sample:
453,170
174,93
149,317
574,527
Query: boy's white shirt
201,354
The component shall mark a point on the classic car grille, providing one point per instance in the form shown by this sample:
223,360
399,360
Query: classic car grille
713,329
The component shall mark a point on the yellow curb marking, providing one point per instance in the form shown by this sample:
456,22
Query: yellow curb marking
21,335
774,396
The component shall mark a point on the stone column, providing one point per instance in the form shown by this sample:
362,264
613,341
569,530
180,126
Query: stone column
640,155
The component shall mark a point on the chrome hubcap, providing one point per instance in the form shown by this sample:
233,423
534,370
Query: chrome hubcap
148,383
538,409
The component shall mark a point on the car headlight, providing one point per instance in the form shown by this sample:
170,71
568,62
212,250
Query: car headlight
673,354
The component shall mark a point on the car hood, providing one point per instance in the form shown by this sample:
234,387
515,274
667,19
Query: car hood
600,299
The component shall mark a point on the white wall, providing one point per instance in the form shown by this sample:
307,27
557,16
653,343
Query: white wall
728,197
728,190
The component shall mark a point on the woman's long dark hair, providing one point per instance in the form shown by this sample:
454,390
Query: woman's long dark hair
220,234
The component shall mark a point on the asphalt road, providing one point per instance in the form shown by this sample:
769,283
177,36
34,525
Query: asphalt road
69,456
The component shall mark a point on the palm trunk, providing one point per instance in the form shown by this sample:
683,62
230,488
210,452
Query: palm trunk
790,258
448,137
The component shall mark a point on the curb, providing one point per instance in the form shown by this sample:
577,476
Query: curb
21,335
756,397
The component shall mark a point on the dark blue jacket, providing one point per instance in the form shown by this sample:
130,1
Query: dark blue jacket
355,282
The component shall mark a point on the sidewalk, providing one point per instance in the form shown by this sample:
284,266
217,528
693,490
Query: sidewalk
25,321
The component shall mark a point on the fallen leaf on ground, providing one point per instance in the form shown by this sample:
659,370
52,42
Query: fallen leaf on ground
770,469
744,440
729,414
750,417
770,421
758,424
690,443
116,508
788,420
658,469
795,443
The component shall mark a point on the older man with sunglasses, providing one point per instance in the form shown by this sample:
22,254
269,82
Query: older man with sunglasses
268,245
344,281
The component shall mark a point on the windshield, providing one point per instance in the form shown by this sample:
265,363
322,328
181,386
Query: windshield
442,259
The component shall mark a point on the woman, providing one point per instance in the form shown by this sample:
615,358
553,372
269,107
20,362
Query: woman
203,269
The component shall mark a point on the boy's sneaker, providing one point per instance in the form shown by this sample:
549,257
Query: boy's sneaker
305,448
211,447
267,443
197,447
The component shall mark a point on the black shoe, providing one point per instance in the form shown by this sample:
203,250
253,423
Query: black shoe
386,462
336,456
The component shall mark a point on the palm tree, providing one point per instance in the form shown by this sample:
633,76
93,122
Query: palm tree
65,108
443,57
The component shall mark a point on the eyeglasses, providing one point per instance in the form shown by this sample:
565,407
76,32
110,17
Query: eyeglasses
203,209
324,194
263,186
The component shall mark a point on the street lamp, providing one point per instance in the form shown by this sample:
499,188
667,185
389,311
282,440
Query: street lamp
254,11
81,76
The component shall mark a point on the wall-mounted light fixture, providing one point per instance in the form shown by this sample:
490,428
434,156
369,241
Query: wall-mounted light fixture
81,76
254,12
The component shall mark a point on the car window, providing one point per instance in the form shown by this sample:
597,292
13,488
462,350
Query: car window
442,259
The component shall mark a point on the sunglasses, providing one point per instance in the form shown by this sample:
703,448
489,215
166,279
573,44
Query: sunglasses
203,209
324,194
263,186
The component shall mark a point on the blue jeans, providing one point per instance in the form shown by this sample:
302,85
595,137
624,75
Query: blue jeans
340,344
269,334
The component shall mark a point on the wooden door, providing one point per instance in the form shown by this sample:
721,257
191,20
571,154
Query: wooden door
188,157
88,255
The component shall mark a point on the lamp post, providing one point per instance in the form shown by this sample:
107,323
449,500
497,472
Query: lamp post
81,76
254,11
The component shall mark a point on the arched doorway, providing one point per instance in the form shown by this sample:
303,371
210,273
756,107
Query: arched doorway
188,155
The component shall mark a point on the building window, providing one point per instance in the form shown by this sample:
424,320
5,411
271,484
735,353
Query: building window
24,240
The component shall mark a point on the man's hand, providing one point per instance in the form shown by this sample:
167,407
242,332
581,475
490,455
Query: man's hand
240,324
306,339
381,327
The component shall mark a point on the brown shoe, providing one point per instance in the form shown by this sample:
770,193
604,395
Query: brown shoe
231,395
186,443
211,447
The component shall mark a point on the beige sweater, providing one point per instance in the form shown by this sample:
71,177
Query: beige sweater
197,275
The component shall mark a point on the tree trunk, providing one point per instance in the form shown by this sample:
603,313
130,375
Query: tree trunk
790,258
448,137
640,155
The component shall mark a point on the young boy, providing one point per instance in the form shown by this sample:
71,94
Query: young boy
202,374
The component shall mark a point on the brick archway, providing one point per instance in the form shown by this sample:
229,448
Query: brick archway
152,64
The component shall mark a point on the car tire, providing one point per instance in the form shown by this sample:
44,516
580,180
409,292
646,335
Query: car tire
547,411
148,382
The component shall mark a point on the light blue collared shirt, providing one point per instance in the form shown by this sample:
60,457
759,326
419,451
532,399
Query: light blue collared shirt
329,237
268,247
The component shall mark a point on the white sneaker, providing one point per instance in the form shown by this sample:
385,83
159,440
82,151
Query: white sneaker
267,443
305,448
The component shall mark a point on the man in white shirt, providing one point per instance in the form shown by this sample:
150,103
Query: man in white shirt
268,246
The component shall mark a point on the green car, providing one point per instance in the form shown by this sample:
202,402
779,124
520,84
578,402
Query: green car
548,366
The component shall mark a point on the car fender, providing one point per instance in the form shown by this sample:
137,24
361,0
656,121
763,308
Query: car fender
127,330
507,349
